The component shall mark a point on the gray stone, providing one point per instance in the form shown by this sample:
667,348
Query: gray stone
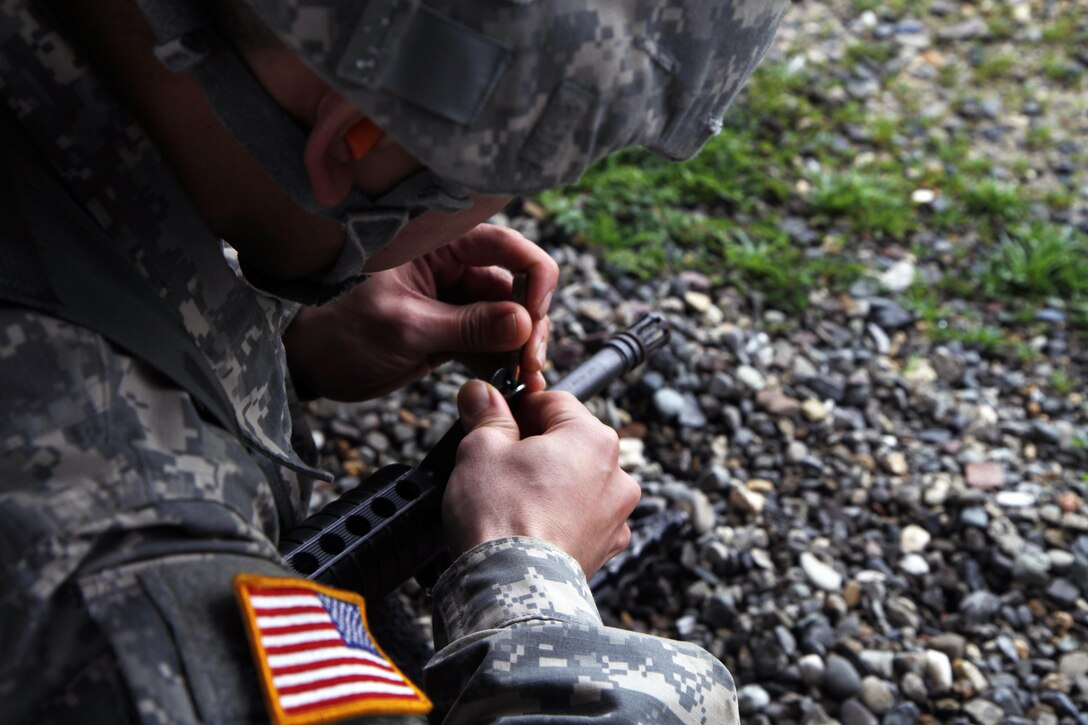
840,678
812,668
969,29
966,670
750,378
914,564
692,415
752,699
1060,560
980,606
905,713
669,403
877,695
950,643
888,314
948,365
777,403
878,662
1032,567
1063,592
975,516
902,612
914,687
1006,699
1074,664
853,712
984,712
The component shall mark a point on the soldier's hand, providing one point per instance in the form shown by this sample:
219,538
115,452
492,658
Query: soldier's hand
402,323
552,474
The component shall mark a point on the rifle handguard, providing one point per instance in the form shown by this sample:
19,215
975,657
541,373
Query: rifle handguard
379,534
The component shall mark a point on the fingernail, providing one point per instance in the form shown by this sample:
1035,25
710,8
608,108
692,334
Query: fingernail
473,399
506,327
542,353
541,380
546,303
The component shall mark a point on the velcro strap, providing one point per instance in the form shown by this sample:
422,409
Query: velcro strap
424,58
179,29
182,53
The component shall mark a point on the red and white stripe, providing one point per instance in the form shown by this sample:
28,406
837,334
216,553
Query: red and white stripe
312,666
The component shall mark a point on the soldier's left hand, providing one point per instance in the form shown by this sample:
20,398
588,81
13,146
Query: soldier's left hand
452,303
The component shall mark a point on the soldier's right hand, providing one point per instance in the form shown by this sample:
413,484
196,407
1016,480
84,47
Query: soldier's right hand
552,474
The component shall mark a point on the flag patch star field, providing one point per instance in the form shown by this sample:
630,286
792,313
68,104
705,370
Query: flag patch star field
316,660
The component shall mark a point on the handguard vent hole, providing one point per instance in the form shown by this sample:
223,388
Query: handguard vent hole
331,544
304,563
383,507
357,526
407,490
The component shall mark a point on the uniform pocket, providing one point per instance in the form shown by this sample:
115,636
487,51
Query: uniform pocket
176,631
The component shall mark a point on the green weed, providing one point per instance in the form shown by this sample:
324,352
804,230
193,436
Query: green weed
997,65
1038,260
1062,383
1060,69
869,204
872,55
995,201
1068,28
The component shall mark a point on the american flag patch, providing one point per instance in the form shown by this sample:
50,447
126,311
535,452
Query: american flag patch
316,660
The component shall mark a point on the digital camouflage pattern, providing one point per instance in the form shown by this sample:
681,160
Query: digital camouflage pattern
515,96
521,611
124,513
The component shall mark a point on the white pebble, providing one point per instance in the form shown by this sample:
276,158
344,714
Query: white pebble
923,196
913,539
820,574
1015,499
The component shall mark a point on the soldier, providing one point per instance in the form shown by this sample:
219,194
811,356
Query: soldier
147,463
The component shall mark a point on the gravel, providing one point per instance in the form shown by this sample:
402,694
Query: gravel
877,525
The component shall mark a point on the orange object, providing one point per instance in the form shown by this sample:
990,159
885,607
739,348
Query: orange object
362,137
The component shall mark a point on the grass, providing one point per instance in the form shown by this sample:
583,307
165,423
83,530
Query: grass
1037,261
1062,383
997,65
868,204
850,172
1058,67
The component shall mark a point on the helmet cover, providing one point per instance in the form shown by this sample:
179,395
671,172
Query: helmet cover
517,96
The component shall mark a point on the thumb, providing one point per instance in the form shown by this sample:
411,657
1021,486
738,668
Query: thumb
482,327
482,406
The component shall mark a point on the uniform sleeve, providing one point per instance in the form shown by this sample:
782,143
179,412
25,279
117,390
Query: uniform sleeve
519,637
123,519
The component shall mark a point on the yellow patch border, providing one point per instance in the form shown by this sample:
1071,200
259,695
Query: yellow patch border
373,706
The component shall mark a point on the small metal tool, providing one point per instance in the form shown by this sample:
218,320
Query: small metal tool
507,378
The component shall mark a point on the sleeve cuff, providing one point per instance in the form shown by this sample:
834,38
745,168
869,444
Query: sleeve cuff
506,581
320,287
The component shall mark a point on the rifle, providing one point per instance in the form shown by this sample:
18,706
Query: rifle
388,528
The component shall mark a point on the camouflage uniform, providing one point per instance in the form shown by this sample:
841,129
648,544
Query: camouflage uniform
124,512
